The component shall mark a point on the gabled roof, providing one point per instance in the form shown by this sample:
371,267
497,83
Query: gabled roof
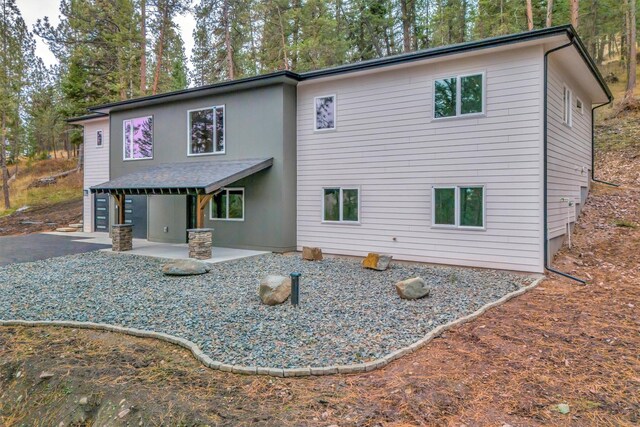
292,77
183,178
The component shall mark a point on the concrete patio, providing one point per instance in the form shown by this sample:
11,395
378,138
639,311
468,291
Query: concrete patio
159,250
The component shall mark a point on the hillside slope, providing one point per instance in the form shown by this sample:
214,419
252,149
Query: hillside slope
36,207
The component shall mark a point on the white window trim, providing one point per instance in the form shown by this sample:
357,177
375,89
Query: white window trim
340,201
457,225
581,109
153,139
567,106
335,114
215,134
459,114
227,189
99,131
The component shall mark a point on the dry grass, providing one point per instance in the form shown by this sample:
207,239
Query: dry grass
65,189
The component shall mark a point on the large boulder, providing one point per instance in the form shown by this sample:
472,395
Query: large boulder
376,261
413,288
311,254
185,267
274,290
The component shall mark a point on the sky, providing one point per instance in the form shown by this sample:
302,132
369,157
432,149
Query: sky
32,10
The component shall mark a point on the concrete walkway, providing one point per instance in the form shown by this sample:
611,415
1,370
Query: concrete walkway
159,250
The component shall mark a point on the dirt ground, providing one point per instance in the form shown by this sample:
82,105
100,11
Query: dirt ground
42,218
559,344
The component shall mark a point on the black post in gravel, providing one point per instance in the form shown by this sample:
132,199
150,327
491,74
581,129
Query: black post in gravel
295,288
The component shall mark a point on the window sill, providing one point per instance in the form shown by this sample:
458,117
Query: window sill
458,227
227,219
217,153
460,117
324,130
341,222
137,160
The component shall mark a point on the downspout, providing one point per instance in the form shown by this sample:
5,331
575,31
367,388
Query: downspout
547,265
593,146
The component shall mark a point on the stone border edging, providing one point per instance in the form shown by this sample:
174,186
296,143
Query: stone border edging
276,372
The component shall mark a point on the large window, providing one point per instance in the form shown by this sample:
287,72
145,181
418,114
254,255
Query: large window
567,115
228,205
138,138
341,204
206,131
325,113
458,206
458,96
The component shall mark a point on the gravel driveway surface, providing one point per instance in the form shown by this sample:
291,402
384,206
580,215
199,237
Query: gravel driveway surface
346,314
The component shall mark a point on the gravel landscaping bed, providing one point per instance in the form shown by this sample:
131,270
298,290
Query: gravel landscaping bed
346,315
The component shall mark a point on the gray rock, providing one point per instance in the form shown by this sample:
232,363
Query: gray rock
311,254
274,289
44,375
413,288
376,261
185,267
83,400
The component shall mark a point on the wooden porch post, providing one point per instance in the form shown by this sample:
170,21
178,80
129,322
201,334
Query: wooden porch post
202,200
119,198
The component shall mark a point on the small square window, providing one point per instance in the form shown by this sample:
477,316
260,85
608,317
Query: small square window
228,204
341,204
458,96
459,206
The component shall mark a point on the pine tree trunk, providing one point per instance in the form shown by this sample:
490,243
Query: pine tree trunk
80,148
406,26
296,30
283,39
227,40
3,163
163,27
143,47
549,13
575,9
631,42
529,15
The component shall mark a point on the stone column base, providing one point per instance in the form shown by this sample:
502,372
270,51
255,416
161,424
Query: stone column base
122,237
200,242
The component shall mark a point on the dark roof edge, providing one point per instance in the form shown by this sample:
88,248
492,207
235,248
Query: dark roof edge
94,115
567,29
274,75
582,50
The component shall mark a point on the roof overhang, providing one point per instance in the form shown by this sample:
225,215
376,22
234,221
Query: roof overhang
80,120
546,37
279,77
183,178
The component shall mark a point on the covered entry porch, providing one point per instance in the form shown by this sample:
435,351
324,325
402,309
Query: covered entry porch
178,197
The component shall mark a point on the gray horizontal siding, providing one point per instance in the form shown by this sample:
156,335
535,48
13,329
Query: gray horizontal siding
387,143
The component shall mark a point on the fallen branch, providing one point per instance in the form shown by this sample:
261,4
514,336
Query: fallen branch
50,180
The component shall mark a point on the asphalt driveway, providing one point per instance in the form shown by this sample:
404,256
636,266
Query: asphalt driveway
33,247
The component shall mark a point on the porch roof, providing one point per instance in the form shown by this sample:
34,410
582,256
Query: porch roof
183,178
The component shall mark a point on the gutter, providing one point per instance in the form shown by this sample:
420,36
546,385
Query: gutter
547,265
593,145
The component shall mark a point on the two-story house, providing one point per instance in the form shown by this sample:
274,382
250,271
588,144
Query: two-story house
477,154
